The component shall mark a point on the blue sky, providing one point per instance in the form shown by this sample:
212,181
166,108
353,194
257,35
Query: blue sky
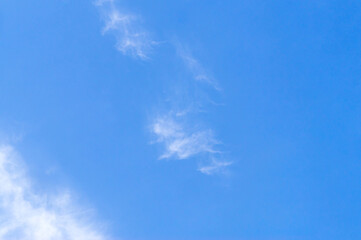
172,120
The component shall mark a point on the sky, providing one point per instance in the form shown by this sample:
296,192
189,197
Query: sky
180,120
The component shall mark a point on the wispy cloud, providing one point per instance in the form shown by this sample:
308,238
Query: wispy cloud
177,130
180,143
131,38
198,72
27,215
215,166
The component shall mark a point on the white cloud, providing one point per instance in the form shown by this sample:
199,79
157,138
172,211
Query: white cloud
179,142
216,166
27,215
182,143
131,38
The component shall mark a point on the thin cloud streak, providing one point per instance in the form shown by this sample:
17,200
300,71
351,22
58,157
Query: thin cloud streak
198,72
27,215
131,39
216,166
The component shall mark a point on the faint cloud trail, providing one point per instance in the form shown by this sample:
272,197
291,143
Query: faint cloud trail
195,67
215,166
179,140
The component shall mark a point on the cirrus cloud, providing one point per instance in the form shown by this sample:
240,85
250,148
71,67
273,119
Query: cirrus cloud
131,39
179,142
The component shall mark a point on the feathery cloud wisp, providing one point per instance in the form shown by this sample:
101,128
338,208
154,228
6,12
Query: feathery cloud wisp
216,166
198,72
180,143
27,215
131,38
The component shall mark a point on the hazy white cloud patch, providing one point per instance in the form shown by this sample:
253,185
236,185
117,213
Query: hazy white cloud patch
131,39
214,167
28,215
